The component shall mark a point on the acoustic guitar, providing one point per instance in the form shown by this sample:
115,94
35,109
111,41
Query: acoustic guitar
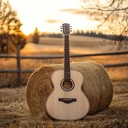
67,101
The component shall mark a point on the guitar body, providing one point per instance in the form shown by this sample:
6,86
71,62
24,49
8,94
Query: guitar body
67,102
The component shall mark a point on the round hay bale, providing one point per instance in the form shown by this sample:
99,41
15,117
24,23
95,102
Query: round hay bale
97,86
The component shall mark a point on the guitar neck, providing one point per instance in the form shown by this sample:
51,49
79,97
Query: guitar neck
66,58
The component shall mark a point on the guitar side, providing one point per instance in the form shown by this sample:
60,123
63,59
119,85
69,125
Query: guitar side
67,105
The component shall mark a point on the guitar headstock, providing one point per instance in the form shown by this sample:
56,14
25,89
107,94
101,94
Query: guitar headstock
66,28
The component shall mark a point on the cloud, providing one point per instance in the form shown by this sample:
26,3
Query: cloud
53,21
68,10
74,11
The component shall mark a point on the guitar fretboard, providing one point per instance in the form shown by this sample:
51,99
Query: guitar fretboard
66,28
66,58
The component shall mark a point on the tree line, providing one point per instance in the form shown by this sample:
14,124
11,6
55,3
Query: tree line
98,34
36,35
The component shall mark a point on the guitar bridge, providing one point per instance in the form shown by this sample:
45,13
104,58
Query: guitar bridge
67,100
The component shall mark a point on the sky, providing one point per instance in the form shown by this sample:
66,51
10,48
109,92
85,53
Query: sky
49,15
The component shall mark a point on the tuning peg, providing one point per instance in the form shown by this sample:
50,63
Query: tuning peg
61,28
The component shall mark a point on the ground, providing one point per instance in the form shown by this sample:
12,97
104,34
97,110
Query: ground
14,112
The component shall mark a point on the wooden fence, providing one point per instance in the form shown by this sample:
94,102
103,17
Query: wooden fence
18,58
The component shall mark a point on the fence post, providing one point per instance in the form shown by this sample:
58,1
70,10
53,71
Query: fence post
18,66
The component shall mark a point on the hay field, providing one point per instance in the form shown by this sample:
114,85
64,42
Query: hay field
14,112
78,45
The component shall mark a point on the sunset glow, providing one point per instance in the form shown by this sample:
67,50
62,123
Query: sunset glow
48,15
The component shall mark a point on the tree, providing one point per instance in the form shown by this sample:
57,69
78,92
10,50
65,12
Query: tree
36,36
10,33
113,17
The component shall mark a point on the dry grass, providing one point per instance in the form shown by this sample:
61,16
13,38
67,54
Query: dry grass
14,112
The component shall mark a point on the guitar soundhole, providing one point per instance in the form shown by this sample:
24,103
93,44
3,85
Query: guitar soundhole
67,85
